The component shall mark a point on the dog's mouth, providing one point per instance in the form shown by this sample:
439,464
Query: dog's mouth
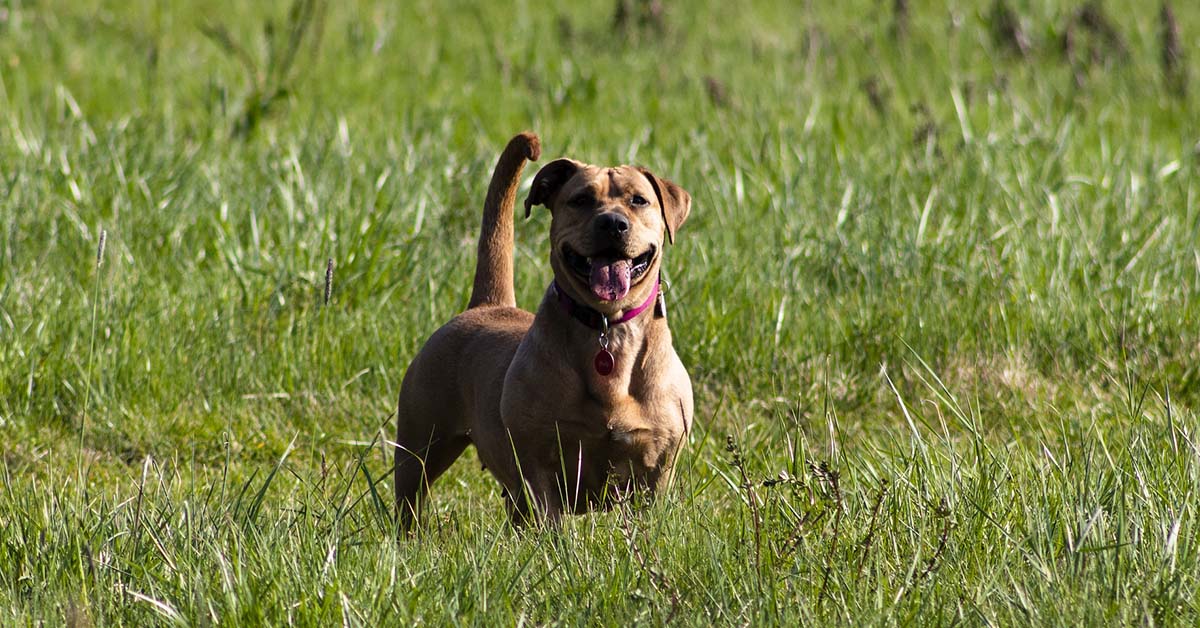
609,274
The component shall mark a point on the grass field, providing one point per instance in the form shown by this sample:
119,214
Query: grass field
939,296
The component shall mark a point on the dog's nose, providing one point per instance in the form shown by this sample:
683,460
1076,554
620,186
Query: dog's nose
612,224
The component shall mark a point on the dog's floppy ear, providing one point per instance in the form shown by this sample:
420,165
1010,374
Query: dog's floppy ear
549,180
676,203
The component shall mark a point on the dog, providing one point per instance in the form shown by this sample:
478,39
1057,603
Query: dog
582,404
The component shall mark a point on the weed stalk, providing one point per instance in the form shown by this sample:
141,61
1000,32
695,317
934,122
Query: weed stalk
739,463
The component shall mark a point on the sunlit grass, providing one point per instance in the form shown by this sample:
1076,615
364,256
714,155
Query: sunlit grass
938,298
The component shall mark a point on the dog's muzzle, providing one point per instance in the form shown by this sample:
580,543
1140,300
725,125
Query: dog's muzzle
610,273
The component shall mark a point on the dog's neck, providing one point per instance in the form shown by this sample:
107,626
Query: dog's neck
642,336
595,319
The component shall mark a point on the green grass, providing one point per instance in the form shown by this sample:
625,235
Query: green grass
940,302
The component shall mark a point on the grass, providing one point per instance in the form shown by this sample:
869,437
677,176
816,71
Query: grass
939,296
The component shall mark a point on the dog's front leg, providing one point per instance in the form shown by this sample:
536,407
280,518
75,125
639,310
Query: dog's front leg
539,501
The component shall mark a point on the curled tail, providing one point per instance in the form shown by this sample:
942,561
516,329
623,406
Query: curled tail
494,268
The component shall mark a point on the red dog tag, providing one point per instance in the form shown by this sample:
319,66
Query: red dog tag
604,362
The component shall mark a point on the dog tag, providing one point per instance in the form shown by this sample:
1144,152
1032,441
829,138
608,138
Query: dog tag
660,305
604,362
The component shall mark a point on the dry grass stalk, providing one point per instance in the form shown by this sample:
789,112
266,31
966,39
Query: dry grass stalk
1172,51
639,14
875,95
717,93
831,478
869,539
273,79
1091,38
899,18
941,511
1007,29
657,578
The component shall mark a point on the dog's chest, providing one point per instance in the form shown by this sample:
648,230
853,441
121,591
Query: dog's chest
631,446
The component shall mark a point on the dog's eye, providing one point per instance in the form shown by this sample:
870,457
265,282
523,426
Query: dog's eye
639,201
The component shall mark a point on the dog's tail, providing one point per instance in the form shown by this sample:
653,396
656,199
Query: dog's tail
494,268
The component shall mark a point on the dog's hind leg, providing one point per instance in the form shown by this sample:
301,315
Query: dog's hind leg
422,454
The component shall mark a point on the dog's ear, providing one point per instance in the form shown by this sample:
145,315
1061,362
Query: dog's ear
676,203
548,181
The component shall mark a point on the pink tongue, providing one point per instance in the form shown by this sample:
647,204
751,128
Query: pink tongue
610,278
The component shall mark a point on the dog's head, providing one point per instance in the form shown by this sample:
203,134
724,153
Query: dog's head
607,229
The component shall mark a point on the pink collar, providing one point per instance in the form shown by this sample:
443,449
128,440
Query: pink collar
594,319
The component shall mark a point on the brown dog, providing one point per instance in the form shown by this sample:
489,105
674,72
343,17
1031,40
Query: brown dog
583,401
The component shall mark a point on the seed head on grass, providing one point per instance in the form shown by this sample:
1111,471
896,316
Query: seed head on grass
328,279
100,248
